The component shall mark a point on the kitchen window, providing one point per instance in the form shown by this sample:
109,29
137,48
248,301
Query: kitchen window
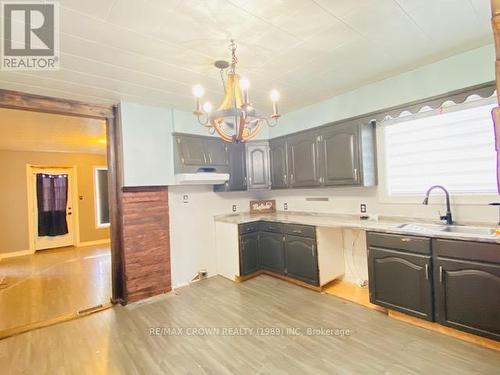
453,146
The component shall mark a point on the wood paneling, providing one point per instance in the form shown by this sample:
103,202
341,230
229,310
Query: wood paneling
146,242
30,102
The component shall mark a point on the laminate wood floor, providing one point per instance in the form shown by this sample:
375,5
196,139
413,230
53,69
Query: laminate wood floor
119,340
52,283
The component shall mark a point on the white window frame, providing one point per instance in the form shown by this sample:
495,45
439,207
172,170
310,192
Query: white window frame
97,202
456,198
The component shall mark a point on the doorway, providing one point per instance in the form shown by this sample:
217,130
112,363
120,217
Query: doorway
53,216
55,250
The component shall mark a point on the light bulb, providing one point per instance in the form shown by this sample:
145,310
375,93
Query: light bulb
275,95
198,91
244,84
207,107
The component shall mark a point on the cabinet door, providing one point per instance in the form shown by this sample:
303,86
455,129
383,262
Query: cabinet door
191,150
301,260
257,166
401,281
279,164
303,160
249,253
237,169
467,296
272,252
216,152
339,155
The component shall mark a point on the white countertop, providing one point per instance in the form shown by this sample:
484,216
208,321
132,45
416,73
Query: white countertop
384,224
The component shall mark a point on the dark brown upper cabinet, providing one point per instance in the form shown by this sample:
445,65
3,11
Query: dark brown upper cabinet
258,165
339,155
279,163
237,169
194,152
303,160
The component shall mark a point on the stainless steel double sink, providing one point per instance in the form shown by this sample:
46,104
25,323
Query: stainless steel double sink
458,229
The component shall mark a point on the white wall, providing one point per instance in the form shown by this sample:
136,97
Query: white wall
192,227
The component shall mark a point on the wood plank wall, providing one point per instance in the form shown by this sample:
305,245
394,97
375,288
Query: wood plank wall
146,242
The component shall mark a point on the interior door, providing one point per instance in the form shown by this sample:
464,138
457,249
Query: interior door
340,156
50,242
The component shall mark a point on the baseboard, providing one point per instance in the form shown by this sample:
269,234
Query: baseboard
93,243
15,254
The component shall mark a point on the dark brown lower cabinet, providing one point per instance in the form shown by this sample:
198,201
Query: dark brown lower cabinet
302,259
249,253
272,252
401,281
467,296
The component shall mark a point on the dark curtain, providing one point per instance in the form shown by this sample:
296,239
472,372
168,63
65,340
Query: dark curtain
52,198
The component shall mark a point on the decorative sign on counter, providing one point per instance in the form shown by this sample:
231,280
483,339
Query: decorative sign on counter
263,206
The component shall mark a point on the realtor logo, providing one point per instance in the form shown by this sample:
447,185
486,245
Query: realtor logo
30,36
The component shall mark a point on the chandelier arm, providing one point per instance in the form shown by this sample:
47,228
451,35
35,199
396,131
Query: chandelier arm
221,133
271,123
256,130
206,123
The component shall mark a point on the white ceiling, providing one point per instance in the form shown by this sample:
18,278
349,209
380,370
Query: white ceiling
33,131
154,51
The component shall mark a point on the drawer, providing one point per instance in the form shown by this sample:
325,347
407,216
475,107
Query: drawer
248,227
413,244
300,230
467,250
269,226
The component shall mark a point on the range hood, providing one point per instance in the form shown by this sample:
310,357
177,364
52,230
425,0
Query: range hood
201,178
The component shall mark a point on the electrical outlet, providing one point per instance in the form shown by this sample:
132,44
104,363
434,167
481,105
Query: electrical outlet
234,208
285,206
185,198
362,208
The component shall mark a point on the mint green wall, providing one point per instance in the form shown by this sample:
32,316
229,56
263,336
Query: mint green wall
456,72
147,145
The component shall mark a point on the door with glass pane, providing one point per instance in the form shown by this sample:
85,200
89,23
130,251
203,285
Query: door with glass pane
53,221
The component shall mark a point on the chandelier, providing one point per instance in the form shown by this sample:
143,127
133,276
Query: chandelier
235,120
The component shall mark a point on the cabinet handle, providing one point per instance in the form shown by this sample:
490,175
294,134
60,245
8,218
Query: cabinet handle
312,250
426,271
284,178
356,174
440,274
292,179
406,239
210,158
